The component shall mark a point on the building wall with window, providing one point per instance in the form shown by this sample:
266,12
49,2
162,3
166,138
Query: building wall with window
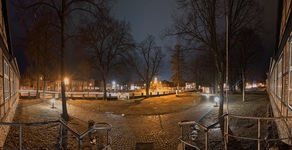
280,72
9,74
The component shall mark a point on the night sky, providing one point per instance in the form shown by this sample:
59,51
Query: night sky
151,17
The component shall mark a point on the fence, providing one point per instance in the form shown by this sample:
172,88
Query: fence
259,136
91,95
102,140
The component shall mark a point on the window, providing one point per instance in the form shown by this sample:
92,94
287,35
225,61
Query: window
279,79
290,76
6,81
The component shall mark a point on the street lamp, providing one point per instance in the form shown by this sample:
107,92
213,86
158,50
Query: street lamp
89,89
53,101
216,101
66,81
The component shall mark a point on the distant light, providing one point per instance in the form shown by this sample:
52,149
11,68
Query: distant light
207,96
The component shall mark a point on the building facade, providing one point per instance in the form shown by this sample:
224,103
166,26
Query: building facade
9,74
279,81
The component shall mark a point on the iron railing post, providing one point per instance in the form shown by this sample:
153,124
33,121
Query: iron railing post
259,134
79,143
20,137
106,138
182,132
225,133
206,139
61,134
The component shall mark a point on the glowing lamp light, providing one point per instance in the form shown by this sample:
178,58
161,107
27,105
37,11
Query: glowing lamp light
216,101
66,81
53,101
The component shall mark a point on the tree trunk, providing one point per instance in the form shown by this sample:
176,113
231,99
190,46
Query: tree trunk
147,89
243,86
37,87
104,89
64,115
216,85
221,102
44,91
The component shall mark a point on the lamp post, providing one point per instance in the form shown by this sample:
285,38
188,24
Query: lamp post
53,101
89,89
216,101
66,81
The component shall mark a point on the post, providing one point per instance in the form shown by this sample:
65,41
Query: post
79,143
182,132
227,67
206,139
90,125
107,141
61,134
20,137
259,134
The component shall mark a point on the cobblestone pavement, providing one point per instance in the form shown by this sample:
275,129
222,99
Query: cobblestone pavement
161,130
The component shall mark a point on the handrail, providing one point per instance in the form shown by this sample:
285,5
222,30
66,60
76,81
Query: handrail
181,123
29,124
79,137
259,138
189,144
261,118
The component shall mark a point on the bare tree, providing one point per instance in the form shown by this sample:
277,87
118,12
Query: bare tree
202,70
106,40
199,23
178,64
246,53
61,10
40,50
146,60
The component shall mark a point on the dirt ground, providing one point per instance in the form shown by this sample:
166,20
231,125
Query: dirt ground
255,105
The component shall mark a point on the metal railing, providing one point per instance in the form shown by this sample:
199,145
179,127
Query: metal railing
185,136
97,127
